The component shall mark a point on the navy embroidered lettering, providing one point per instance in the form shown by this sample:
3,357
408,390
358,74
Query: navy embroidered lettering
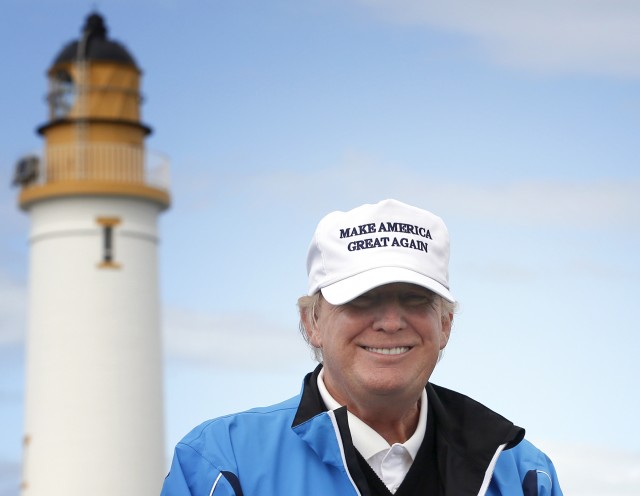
416,244
404,228
364,244
358,230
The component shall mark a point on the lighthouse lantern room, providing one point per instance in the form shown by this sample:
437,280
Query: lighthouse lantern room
93,412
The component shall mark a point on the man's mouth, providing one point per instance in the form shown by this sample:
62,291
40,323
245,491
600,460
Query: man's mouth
398,350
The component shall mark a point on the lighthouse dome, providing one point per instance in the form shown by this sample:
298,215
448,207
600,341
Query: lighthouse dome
96,45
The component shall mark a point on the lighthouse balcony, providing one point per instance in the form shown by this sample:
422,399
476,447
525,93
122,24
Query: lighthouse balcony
94,169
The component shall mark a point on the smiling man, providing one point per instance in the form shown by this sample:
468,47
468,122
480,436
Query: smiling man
368,422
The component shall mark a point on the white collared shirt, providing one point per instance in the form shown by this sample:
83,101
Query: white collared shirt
391,463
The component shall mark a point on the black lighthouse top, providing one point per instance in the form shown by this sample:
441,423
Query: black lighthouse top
94,45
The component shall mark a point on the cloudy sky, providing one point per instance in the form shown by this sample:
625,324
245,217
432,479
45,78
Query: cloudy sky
517,122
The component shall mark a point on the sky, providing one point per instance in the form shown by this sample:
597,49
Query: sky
516,122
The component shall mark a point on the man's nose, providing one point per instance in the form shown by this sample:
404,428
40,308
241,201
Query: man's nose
389,316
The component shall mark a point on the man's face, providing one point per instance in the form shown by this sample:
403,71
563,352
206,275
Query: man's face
382,345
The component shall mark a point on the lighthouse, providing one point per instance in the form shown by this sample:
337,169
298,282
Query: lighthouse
94,405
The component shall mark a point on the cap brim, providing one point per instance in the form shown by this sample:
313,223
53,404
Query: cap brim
347,289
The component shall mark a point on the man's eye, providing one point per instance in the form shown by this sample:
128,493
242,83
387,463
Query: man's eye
362,301
416,298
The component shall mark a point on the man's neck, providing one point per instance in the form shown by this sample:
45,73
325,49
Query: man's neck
392,427
393,419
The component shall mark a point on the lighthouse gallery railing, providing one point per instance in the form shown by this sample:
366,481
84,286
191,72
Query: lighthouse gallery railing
103,162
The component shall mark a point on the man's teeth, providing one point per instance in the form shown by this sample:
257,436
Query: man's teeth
388,351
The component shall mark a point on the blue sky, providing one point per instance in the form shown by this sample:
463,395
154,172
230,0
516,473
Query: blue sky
517,123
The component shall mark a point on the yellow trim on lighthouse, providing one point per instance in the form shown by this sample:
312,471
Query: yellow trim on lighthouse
32,194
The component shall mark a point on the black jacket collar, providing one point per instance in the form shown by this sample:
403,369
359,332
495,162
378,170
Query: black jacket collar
468,435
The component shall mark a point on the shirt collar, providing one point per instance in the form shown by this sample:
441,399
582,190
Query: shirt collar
365,439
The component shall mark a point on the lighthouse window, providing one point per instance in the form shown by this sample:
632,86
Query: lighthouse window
62,94
108,244
108,225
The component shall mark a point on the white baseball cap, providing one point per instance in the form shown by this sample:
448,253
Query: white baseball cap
374,244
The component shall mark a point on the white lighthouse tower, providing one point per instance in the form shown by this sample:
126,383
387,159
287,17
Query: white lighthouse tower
94,411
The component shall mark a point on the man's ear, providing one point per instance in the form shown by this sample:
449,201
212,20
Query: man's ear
310,321
445,332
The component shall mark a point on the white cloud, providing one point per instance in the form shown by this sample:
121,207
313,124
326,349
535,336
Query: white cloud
550,203
592,36
234,341
602,203
588,470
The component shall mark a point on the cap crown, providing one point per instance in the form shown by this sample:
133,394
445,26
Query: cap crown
374,244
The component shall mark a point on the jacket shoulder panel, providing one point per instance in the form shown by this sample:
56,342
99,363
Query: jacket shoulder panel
209,450
522,468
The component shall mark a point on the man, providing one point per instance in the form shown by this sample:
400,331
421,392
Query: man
378,314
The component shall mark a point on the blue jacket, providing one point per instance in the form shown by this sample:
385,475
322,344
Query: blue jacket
296,448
